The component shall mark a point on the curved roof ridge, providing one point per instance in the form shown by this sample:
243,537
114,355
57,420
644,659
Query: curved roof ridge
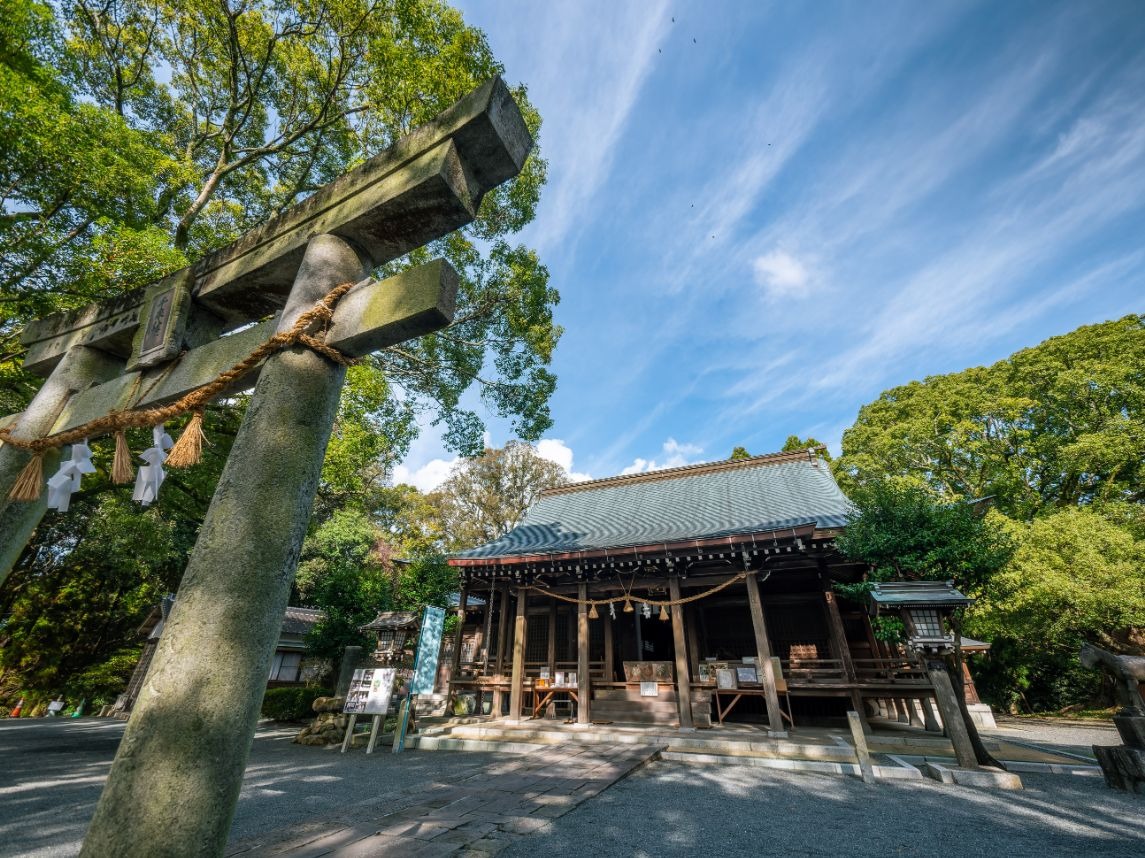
696,469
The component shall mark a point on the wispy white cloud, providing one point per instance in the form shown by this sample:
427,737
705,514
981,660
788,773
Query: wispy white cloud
937,286
781,275
427,477
598,57
673,454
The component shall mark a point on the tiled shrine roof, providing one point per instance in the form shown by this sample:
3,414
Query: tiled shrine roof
720,499
297,621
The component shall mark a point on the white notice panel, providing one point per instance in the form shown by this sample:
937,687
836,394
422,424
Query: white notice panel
370,691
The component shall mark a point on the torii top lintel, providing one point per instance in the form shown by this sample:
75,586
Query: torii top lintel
427,184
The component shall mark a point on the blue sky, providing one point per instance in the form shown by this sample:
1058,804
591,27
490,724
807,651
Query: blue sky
762,215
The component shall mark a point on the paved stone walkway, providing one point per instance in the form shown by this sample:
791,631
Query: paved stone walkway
479,815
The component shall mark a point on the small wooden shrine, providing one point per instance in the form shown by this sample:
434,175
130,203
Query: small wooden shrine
679,597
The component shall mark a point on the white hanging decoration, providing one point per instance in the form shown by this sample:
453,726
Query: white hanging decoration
612,610
151,475
67,479
646,609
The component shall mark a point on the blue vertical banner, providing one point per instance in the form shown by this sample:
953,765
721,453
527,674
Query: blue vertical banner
428,651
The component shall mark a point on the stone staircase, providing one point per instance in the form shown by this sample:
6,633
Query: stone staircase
626,705
819,754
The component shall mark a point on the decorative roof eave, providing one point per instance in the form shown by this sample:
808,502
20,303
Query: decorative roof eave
624,552
892,595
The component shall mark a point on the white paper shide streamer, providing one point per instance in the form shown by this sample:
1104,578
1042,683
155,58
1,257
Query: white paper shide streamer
151,475
67,479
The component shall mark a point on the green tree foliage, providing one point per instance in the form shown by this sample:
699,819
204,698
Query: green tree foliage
262,104
904,532
1076,576
795,443
739,453
345,570
137,135
1057,425
72,605
486,497
1055,436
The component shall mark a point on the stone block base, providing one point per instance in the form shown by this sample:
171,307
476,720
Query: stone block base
982,715
980,777
1124,768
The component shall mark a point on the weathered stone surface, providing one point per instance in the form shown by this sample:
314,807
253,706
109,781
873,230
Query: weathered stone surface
1123,768
372,316
163,318
328,704
982,776
175,781
1132,730
108,326
402,307
84,367
166,384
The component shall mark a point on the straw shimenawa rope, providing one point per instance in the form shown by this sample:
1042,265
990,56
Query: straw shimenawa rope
186,451
683,600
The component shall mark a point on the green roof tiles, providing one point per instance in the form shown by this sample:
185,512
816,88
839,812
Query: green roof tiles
756,495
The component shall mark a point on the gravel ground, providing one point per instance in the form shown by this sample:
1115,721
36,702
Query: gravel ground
54,769
677,809
1075,736
53,772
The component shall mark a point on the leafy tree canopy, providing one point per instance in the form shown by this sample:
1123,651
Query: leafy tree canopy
487,496
138,135
905,532
739,453
794,443
1057,425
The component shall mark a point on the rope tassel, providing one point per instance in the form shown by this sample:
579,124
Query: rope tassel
122,471
188,450
30,483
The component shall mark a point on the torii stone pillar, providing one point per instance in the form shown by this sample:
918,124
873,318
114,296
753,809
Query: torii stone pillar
80,369
176,778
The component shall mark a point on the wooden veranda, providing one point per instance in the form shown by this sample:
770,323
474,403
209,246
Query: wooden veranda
757,600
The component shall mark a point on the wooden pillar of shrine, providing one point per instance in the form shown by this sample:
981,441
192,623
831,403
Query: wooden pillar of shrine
551,653
763,656
502,642
843,649
683,677
520,629
583,680
462,601
691,627
609,671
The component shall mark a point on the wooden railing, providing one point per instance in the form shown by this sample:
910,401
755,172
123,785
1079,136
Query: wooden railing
890,670
804,671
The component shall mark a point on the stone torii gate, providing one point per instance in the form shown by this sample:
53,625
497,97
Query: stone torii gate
176,777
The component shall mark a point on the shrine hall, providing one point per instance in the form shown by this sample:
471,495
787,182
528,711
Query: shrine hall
684,597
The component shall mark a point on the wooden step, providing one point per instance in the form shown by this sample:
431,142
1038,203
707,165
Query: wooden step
634,694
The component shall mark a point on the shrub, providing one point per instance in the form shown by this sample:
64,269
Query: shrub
291,704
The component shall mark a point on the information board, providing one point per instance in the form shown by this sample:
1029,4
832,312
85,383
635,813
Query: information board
370,691
428,651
